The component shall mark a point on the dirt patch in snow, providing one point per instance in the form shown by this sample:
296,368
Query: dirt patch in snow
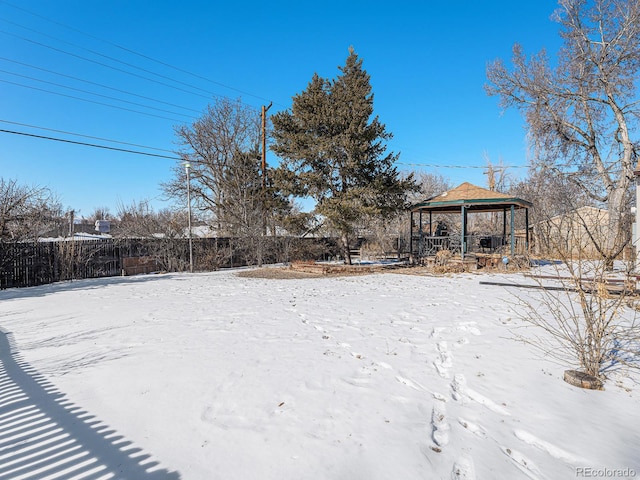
315,271
277,273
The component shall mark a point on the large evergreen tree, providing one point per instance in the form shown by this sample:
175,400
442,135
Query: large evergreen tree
333,151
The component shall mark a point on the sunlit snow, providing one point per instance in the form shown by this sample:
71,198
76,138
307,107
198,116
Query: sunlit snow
212,375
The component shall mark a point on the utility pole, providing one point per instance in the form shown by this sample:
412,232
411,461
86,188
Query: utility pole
264,170
490,172
264,145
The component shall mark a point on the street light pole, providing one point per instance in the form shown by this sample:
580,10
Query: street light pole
187,166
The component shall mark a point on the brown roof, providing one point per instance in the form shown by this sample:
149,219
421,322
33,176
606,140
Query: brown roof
471,196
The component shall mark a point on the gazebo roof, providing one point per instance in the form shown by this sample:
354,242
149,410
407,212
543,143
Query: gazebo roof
471,197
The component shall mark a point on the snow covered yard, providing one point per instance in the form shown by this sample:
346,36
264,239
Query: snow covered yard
384,376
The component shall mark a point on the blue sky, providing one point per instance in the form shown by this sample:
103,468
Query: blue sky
427,62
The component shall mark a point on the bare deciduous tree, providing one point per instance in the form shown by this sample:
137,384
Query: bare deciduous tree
389,234
100,213
26,212
225,178
583,113
551,196
212,146
429,185
139,220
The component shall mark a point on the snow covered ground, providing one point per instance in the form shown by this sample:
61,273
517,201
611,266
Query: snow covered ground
215,376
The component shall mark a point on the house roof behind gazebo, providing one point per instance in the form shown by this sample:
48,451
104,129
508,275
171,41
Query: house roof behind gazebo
472,197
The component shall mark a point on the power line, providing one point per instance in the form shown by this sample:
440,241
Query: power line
96,94
178,158
125,49
108,57
106,147
434,165
85,136
103,64
430,165
91,101
97,84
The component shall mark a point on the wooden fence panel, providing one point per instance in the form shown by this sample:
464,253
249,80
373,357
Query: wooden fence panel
27,264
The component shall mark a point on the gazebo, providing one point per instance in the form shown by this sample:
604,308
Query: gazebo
462,200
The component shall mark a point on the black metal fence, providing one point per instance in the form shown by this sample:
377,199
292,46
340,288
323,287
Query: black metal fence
27,264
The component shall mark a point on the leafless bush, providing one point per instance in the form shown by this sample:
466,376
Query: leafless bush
211,256
162,234
583,319
308,249
26,212
384,246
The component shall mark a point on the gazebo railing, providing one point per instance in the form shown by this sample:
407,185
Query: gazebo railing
427,245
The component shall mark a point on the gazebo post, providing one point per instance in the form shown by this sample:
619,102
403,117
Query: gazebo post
466,230
463,211
410,237
526,226
513,230
504,225
421,237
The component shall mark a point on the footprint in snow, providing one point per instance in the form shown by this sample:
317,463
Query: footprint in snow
410,383
384,365
435,332
458,387
473,428
463,469
358,381
469,327
443,363
461,393
525,465
439,396
440,426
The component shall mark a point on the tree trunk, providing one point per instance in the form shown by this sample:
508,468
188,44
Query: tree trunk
346,249
616,236
260,251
